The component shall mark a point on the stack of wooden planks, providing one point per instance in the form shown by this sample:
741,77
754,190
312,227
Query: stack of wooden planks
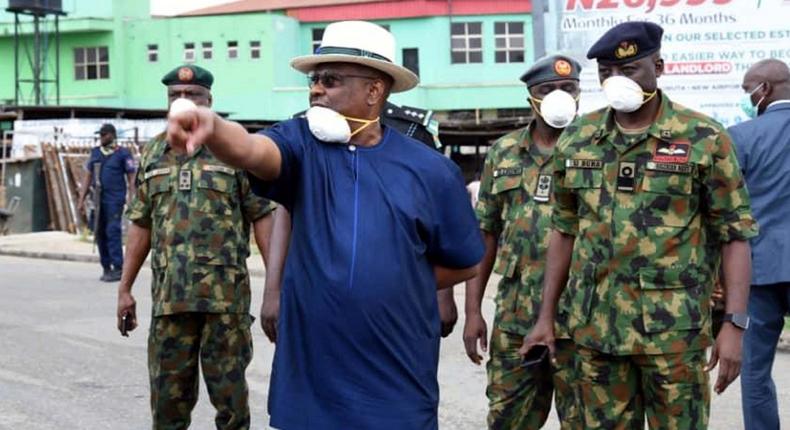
64,172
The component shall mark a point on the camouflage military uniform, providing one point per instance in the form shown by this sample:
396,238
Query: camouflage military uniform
199,212
515,205
645,211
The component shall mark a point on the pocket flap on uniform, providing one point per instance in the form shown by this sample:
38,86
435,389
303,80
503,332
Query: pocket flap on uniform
506,179
668,178
672,299
224,256
158,180
583,177
218,178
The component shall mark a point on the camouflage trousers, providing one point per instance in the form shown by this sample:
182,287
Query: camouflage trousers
616,392
222,344
520,397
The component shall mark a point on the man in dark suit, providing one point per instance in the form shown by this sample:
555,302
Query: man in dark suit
763,149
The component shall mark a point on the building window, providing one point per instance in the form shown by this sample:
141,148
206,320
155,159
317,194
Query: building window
91,63
207,49
189,52
411,60
255,49
233,49
153,53
318,34
466,41
509,42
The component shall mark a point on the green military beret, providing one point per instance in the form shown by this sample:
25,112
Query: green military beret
552,68
189,75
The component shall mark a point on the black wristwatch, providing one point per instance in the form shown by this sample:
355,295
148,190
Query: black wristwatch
738,320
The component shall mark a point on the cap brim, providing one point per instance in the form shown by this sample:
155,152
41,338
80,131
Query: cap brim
403,78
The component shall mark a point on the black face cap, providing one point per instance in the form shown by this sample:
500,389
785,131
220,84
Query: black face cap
107,128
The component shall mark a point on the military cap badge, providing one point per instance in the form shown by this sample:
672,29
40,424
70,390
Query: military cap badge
562,68
185,74
625,49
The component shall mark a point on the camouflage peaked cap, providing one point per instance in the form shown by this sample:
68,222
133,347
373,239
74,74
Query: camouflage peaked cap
627,42
189,75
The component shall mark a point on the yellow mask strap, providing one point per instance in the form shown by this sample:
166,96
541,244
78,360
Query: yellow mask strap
365,122
536,105
649,96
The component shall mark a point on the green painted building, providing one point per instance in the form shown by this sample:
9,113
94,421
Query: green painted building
113,53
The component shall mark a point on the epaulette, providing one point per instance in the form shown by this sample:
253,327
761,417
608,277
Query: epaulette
408,113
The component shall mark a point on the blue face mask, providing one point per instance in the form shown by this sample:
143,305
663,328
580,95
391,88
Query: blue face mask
746,103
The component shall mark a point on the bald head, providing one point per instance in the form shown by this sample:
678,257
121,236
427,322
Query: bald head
772,76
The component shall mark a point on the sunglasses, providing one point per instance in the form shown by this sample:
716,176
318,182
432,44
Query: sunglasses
331,79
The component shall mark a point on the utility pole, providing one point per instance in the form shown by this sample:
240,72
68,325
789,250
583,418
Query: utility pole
539,28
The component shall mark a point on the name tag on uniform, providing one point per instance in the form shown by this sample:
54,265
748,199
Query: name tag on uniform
511,171
157,172
625,176
668,167
576,163
185,180
543,189
217,168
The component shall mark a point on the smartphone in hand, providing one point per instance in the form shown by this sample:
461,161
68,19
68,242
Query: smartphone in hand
535,356
126,325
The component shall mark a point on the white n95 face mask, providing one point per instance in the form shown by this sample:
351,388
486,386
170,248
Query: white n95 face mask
328,125
625,95
557,108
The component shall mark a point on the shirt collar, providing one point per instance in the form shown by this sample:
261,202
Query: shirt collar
777,103
660,128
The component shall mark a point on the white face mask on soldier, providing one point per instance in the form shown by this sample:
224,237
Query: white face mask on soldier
557,108
625,95
330,126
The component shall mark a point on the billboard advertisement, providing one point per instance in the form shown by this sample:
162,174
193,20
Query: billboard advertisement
707,46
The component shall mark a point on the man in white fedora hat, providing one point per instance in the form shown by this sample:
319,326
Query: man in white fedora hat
379,221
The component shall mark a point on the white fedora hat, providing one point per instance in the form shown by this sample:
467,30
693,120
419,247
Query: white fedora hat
359,42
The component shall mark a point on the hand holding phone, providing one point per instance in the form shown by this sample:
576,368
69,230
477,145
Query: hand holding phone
126,325
535,356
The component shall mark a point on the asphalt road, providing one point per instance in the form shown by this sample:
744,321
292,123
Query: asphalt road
64,366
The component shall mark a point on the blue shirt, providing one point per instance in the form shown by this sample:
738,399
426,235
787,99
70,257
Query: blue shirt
358,343
763,149
112,176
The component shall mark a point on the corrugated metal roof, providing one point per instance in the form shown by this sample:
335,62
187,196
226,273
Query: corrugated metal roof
409,9
244,6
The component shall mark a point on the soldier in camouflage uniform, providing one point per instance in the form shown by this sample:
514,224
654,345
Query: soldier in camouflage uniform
195,214
643,190
514,210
